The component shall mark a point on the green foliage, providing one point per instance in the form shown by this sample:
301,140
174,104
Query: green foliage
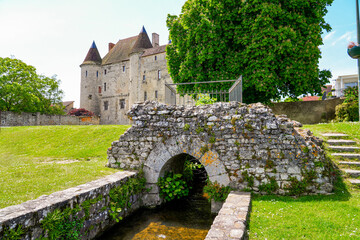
186,127
216,191
269,187
23,90
87,204
199,130
351,94
273,44
291,99
212,139
120,196
247,178
297,187
63,224
349,109
13,234
204,149
173,186
189,167
203,99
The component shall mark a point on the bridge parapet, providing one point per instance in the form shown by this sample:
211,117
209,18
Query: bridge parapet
245,146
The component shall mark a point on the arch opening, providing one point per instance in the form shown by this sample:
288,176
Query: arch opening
191,169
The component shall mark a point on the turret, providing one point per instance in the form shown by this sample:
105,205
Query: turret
142,42
90,89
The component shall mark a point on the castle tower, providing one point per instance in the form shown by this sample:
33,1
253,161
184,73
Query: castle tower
90,89
137,92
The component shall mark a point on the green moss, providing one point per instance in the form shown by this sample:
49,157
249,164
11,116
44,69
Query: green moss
186,127
204,149
199,130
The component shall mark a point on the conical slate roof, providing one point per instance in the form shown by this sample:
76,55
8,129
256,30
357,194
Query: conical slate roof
93,55
142,42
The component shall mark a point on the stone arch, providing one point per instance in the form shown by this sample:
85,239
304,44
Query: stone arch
169,151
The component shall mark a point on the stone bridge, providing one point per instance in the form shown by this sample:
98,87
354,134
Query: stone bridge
244,146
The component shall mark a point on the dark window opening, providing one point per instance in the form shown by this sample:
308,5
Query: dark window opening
155,58
159,74
85,73
105,71
97,73
90,96
144,78
156,94
122,103
123,68
145,96
104,87
106,105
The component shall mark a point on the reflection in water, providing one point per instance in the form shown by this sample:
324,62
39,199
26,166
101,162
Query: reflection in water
189,218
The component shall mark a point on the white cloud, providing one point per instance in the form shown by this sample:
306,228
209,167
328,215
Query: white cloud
348,36
329,36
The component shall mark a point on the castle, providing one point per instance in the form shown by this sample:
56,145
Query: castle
133,70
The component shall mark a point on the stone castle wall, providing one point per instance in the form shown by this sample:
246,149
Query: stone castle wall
37,119
244,146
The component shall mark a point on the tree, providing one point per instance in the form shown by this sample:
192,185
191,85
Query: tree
23,90
273,44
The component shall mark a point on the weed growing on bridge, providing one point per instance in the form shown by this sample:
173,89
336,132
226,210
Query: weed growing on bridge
63,224
120,196
13,234
216,191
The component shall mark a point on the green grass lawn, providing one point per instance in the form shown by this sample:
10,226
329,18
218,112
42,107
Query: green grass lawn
35,161
310,217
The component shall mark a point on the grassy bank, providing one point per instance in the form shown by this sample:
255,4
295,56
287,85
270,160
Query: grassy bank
40,160
310,217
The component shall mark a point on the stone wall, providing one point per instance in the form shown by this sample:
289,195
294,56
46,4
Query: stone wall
232,220
37,119
95,194
244,146
308,112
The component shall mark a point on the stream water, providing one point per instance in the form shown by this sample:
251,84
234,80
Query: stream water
186,219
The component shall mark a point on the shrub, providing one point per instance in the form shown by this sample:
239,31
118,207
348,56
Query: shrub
349,109
173,186
216,191
347,112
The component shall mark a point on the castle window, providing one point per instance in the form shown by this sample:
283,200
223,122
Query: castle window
144,78
90,97
104,87
155,58
123,68
156,94
106,105
99,89
145,96
159,74
105,71
97,73
85,73
122,103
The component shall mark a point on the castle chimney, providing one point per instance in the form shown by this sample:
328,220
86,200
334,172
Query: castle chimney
155,40
111,45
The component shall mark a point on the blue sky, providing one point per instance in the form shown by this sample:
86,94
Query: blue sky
54,36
